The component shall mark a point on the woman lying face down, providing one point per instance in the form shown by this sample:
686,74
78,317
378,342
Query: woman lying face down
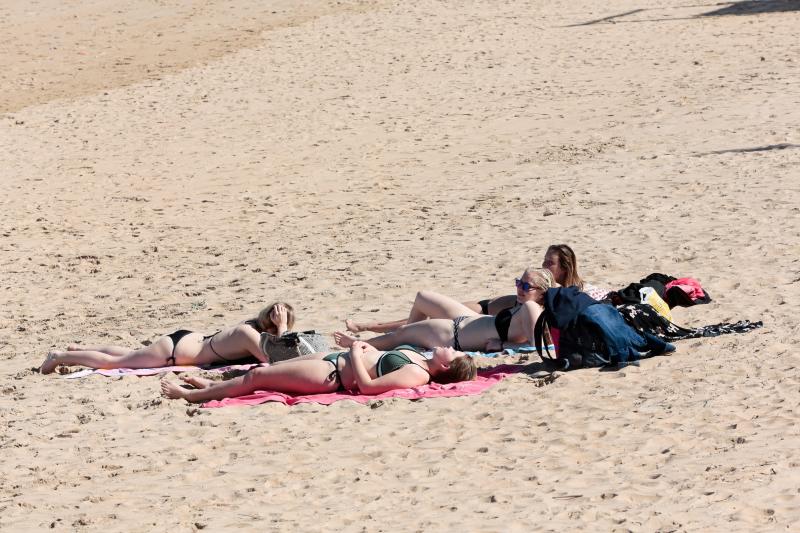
183,347
361,369
467,329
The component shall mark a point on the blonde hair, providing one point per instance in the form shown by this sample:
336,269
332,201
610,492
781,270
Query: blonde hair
541,277
264,322
461,368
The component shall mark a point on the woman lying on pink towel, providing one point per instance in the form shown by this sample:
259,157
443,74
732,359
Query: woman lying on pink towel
361,369
183,347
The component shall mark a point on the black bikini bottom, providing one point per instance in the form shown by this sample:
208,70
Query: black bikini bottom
176,337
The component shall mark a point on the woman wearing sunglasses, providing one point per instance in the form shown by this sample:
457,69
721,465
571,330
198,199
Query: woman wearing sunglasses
464,328
559,259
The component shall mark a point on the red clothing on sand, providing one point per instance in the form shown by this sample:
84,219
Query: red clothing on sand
690,286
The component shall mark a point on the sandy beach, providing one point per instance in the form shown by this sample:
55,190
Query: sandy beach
170,165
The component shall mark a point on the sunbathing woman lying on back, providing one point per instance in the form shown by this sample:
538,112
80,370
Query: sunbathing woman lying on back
183,347
361,369
467,329
559,259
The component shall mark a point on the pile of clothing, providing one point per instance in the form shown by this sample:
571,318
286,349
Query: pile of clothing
628,325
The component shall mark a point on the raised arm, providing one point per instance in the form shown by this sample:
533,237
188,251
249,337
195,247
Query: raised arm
406,377
280,318
501,302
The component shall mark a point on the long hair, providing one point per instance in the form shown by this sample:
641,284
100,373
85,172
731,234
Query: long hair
264,323
568,263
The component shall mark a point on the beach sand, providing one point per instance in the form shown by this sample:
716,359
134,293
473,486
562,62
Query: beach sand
179,165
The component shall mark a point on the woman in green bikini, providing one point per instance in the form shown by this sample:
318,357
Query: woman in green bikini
361,369
182,347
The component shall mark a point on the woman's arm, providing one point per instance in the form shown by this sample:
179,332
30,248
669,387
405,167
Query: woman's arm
501,302
406,377
252,342
529,313
280,318
494,345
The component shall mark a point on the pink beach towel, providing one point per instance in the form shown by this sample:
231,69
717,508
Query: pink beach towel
116,372
486,379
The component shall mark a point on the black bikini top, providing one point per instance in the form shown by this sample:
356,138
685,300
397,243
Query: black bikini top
502,322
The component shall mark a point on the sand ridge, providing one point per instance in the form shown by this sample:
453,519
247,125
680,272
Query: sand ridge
63,50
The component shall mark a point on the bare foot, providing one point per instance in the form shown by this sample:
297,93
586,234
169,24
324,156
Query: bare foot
172,390
343,339
50,363
354,327
197,382
75,348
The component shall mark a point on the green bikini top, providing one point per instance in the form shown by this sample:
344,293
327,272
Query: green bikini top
395,359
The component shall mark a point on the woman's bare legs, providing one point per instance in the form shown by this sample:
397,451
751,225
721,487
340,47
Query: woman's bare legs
151,356
201,383
428,334
427,304
117,351
309,376
475,307
197,382
377,327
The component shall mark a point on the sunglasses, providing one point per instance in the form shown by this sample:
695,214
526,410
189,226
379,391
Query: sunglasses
524,285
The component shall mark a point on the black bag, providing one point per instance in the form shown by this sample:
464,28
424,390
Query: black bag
291,345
